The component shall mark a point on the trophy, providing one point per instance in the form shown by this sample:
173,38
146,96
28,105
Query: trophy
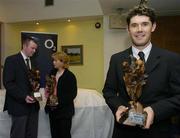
134,78
52,99
34,79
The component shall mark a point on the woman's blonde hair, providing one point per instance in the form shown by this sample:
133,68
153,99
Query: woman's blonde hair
63,57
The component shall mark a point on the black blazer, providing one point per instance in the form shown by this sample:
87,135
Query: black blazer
162,90
66,92
16,83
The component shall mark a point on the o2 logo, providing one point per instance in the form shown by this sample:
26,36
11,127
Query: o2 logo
49,44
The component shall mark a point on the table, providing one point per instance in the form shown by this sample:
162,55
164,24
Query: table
92,119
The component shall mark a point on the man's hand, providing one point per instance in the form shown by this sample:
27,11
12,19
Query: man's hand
29,99
120,112
150,117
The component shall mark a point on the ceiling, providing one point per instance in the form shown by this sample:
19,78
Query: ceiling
162,7
28,10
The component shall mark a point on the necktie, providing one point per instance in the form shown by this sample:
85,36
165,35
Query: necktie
27,64
141,55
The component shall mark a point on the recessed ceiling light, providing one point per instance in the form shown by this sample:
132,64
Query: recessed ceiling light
37,23
69,20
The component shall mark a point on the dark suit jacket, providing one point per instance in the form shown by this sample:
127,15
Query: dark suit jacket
16,83
162,90
66,92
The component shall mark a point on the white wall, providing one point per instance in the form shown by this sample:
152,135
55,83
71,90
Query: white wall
115,40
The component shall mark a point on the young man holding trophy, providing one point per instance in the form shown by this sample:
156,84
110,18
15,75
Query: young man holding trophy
142,87
20,101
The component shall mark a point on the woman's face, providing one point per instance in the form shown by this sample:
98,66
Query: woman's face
58,64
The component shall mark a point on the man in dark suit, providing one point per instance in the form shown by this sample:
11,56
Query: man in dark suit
21,106
161,93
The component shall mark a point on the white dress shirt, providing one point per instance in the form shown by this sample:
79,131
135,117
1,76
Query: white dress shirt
146,52
25,57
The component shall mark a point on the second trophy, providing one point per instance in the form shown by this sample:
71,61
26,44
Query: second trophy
51,83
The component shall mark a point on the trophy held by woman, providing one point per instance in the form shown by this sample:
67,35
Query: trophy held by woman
51,92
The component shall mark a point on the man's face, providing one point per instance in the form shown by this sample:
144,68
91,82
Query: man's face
140,29
29,48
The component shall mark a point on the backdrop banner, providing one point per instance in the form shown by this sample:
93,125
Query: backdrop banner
47,45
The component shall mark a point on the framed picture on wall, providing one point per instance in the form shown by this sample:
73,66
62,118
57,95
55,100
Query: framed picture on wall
75,53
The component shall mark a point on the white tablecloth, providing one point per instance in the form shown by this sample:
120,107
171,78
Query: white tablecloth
92,119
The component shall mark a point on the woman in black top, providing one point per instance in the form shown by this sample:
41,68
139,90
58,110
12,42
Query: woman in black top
60,116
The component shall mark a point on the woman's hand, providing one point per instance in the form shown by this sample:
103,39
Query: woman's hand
46,93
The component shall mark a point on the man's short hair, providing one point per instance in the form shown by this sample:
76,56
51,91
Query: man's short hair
141,10
27,38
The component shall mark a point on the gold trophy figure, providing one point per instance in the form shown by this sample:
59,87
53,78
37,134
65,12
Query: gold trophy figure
52,99
34,79
134,78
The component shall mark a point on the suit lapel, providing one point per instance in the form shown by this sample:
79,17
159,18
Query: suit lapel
128,52
21,62
24,67
126,57
153,60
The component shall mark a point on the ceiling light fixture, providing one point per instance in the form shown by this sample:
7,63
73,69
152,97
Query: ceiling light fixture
37,23
69,20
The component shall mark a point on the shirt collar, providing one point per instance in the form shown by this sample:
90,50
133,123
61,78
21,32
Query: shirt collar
24,56
146,51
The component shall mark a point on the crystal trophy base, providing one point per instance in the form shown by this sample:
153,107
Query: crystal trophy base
134,116
37,96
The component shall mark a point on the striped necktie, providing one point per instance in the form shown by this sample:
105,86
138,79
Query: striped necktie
141,55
